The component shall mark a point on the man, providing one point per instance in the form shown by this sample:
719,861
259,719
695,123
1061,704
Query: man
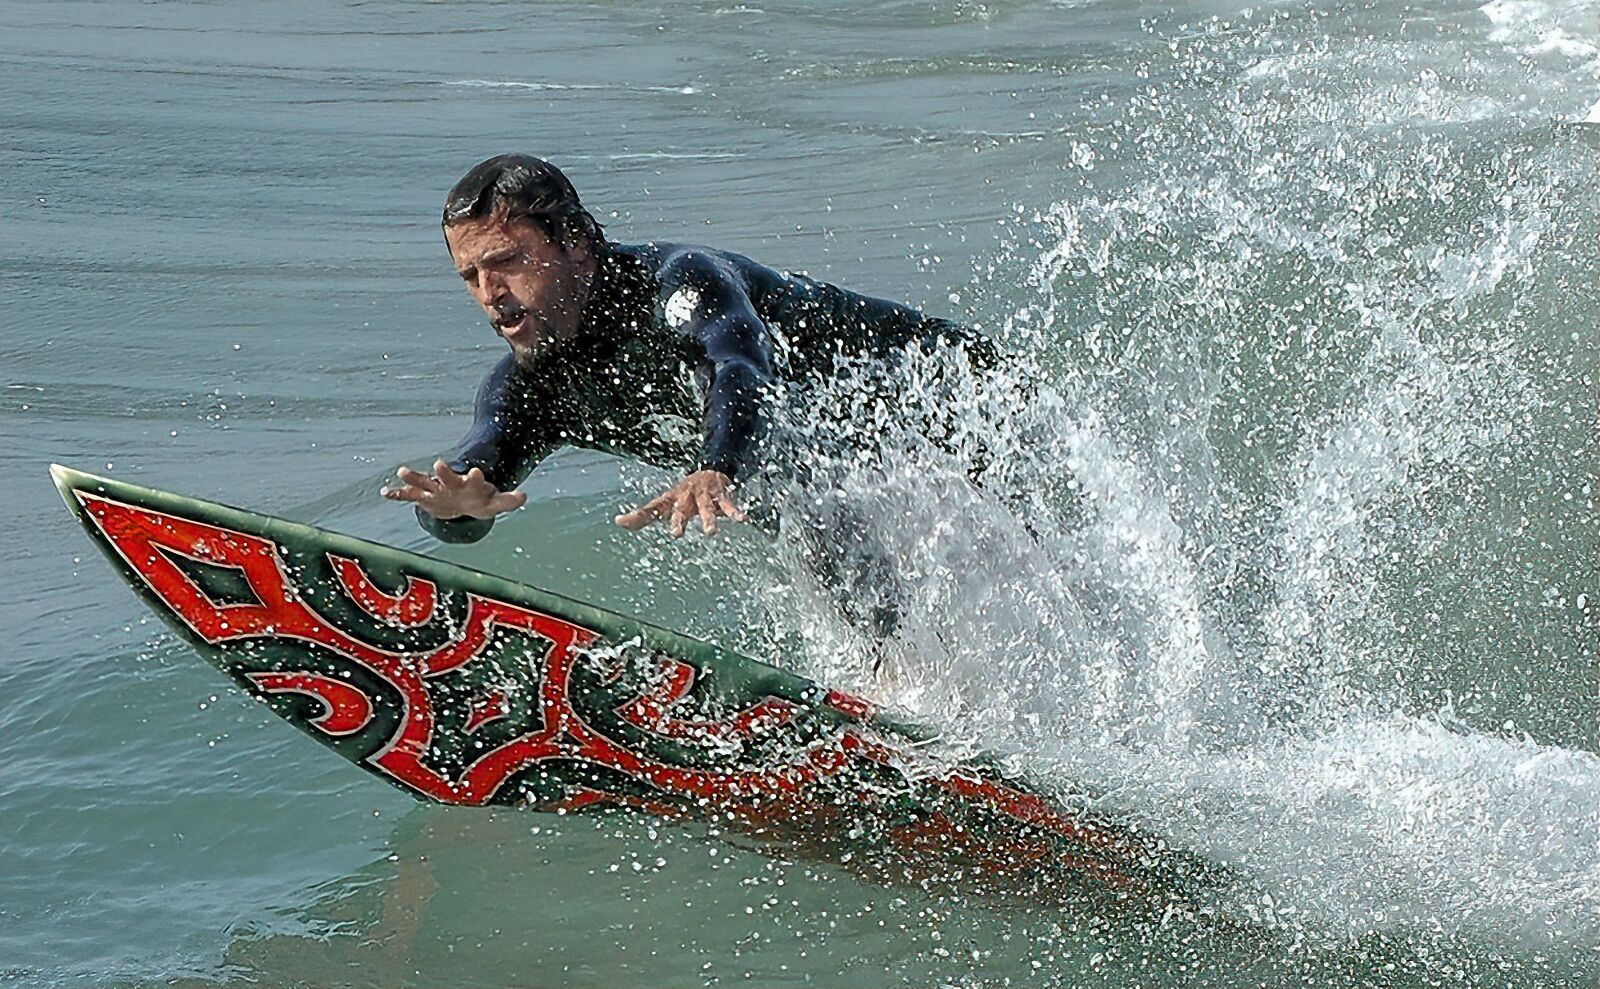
617,347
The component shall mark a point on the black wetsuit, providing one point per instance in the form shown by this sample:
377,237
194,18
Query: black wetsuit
673,363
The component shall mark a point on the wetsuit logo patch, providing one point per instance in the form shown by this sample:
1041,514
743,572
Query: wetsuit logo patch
681,306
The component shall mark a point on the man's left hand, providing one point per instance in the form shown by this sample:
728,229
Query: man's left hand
703,493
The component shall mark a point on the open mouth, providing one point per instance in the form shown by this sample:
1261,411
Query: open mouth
510,319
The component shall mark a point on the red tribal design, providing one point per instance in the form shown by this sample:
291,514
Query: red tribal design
465,698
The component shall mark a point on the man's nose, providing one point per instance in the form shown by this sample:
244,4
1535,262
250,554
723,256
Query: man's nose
488,286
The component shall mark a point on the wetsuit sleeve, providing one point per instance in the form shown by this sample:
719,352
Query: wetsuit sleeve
706,302
864,324
506,441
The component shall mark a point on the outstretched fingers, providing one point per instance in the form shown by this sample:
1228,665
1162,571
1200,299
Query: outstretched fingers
708,514
447,494
414,486
415,478
731,510
645,514
508,501
448,477
682,509
702,495
408,492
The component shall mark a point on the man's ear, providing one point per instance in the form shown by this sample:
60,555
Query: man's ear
581,249
583,254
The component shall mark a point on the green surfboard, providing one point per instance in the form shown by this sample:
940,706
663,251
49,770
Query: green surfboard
465,688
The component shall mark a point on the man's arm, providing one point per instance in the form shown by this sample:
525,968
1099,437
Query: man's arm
506,440
707,302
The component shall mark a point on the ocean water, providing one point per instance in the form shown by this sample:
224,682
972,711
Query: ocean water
1305,299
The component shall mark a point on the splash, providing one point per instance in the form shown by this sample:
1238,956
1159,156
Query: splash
1240,524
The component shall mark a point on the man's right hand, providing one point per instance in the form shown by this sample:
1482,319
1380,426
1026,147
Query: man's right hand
448,495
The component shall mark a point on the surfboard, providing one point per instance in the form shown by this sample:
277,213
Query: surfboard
460,687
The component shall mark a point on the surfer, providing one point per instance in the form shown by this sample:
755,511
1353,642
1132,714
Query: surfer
667,353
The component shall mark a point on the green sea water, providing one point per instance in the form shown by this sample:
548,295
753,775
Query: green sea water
1308,292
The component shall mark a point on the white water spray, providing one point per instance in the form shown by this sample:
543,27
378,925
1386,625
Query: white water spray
1184,580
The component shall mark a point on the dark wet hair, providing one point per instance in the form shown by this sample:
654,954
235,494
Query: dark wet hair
522,187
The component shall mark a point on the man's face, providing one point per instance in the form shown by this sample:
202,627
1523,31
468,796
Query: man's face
532,289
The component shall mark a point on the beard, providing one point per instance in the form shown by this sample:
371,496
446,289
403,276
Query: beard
537,340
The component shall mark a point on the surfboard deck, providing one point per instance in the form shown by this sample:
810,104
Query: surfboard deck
464,688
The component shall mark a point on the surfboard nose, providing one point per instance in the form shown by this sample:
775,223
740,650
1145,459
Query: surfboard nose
68,480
